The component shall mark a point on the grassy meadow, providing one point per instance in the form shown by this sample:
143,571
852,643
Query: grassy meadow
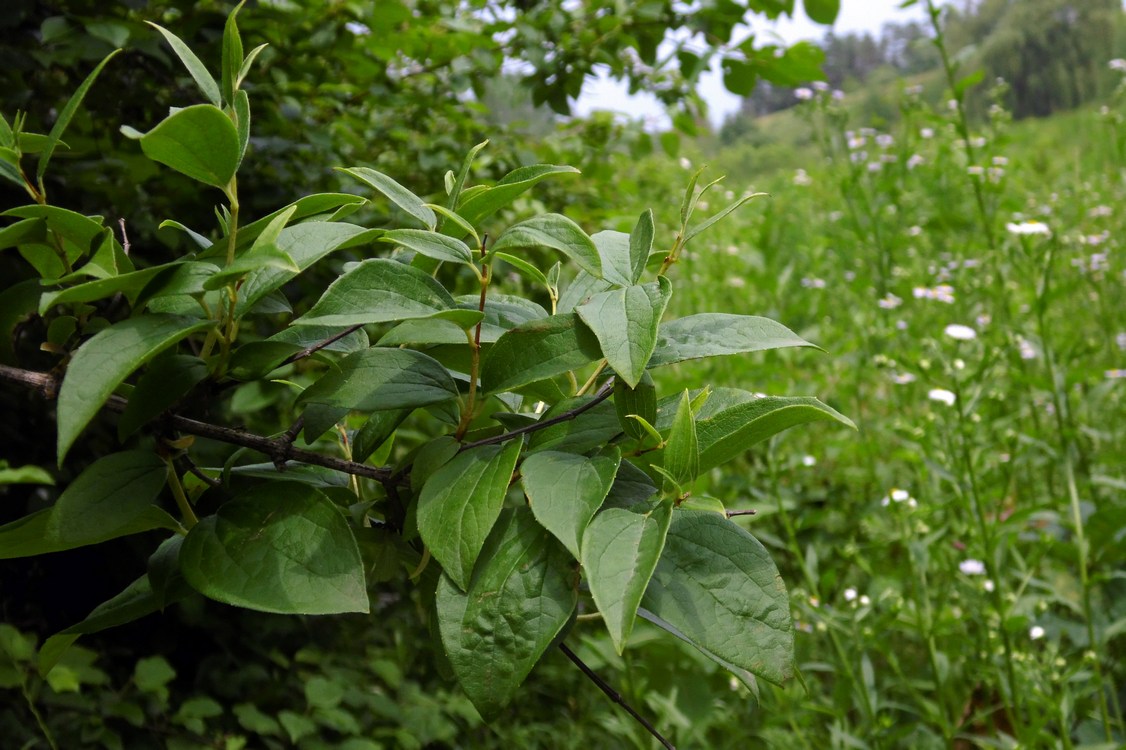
956,565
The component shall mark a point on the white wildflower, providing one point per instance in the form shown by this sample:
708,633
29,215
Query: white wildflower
820,86
883,140
978,142
902,378
803,94
987,584
975,171
865,601
357,29
1115,374
1117,64
972,567
1036,632
808,460
942,395
801,178
926,133
1028,228
850,594
915,161
889,302
960,332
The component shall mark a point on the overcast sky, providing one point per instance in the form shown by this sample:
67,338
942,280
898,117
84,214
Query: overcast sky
855,15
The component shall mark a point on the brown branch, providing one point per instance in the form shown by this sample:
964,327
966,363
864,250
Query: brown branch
602,394
311,350
614,695
46,385
736,513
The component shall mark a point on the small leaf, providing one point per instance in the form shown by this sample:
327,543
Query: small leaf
733,421
682,452
519,601
232,55
244,69
65,117
524,267
822,11
196,68
379,428
242,123
625,322
278,547
619,554
538,350
379,379
717,586
555,232
717,334
692,232
199,141
630,403
30,474
565,490
396,193
487,201
430,244
103,362
641,244
460,503
614,252
377,291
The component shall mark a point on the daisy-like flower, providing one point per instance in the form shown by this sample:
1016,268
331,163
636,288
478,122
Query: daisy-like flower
889,302
960,332
1036,632
902,378
1032,227
803,94
850,594
942,395
972,567
1117,64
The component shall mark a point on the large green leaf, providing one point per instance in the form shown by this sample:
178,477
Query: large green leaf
619,554
537,350
590,430
460,503
520,599
113,497
377,291
430,244
104,361
484,203
127,284
717,586
718,334
556,232
199,141
733,420
565,490
625,322
278,547
396,193
380,379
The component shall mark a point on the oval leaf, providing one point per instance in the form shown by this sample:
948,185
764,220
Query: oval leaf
377,291
518,602
279,547
717,586
719,334
198,141
565,490
625,322
556,232
430,244
538,350
104,361
460,503
380,379
620,552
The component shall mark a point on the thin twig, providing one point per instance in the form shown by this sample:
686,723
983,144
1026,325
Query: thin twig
614,695
47,385
194,469
311,350
744,512
602,394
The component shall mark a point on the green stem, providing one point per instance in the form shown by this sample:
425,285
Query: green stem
475,349
182,503
35,711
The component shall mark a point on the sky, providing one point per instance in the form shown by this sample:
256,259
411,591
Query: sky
855,16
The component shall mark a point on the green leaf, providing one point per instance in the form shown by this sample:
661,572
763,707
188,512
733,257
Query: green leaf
396,193
318,204
306,244
619,554
65,117
565,490
517,604
717,586
692,232
165,383
524,267
641,244
25,232
717,334
242,123
590,430
636,402
484,203
459,182
379,428
278,547
682,451
625,321
255,359
432,331
377,291
199,141
732,421
104,361
460,503
232,55
822,11
380,379
196,68
127,284
244,69
268,256
555,232
614,253
538,350
430,244
30,474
